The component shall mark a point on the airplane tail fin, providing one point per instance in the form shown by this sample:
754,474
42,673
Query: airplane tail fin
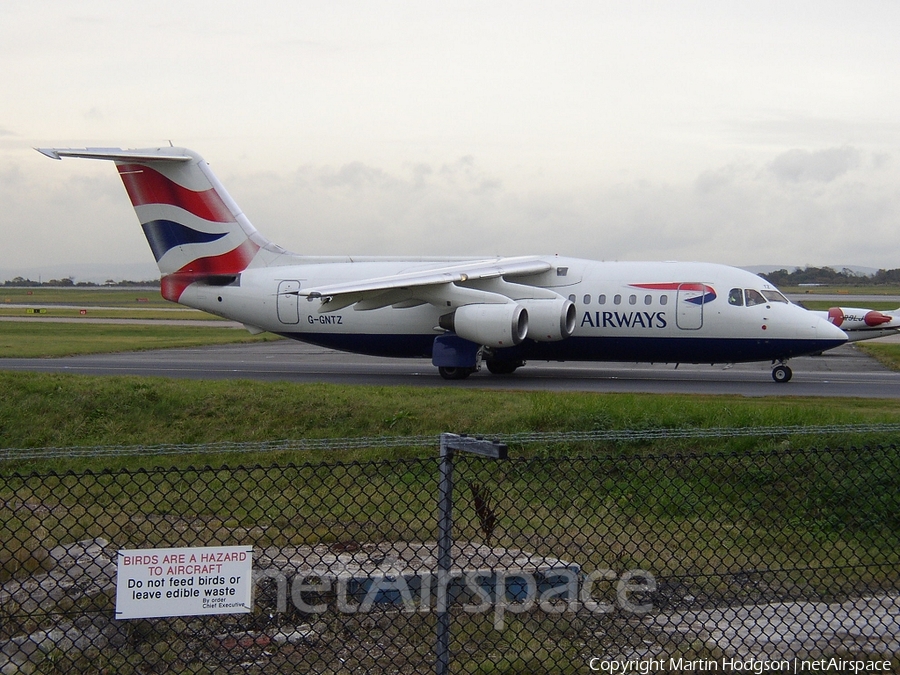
195,229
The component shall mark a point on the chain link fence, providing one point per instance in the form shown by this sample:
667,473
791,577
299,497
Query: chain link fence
628,563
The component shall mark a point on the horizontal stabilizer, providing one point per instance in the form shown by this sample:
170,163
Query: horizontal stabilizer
117,154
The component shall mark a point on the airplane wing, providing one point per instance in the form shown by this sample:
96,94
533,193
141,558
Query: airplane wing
437,286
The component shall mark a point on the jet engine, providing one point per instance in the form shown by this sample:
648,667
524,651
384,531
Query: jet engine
550,320
488,324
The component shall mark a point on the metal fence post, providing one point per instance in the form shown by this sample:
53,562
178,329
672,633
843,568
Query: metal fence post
444,556
449,444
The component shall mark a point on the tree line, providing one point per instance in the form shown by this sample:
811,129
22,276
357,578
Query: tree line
21,282
827,276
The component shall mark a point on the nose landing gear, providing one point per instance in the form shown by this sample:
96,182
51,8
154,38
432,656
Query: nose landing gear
781,373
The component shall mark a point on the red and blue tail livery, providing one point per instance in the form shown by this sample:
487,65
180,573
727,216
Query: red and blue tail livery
195,230
500,312
148,187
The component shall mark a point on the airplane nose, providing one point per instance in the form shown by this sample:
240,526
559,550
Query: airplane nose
825,330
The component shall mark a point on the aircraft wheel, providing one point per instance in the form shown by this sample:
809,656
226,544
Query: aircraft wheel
454,373
781,374
501,367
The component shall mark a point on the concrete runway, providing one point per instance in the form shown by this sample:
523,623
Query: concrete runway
841,372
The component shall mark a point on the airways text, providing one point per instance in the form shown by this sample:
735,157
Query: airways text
624,320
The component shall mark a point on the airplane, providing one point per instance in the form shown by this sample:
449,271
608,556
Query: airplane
862,324
462,313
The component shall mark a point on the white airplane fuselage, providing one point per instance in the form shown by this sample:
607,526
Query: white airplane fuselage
617,317
505,311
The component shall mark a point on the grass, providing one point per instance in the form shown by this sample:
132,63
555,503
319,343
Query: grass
97,297
824,305
886,354
38,410
50,339
144,314
31,338
841,290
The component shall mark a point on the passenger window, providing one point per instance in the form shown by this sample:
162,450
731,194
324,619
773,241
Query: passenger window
648,300
632,299
664,300
601,299
572,298
587,299
736,297
617,300
754,298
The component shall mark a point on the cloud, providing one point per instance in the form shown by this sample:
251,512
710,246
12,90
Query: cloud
786,129
354,176
822,165
454,208
809,208
51,219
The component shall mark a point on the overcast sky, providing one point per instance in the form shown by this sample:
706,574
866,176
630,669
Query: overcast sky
736,132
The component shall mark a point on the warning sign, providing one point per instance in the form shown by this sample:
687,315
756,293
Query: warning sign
160,582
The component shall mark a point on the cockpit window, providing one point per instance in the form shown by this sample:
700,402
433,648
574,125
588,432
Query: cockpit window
736,297
754,297
775,296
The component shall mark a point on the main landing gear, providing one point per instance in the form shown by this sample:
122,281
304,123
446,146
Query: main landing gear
495,367
781,373
455,373
456,358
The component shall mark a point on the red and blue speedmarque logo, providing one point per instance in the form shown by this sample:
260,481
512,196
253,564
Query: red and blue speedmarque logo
694,293
706,293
